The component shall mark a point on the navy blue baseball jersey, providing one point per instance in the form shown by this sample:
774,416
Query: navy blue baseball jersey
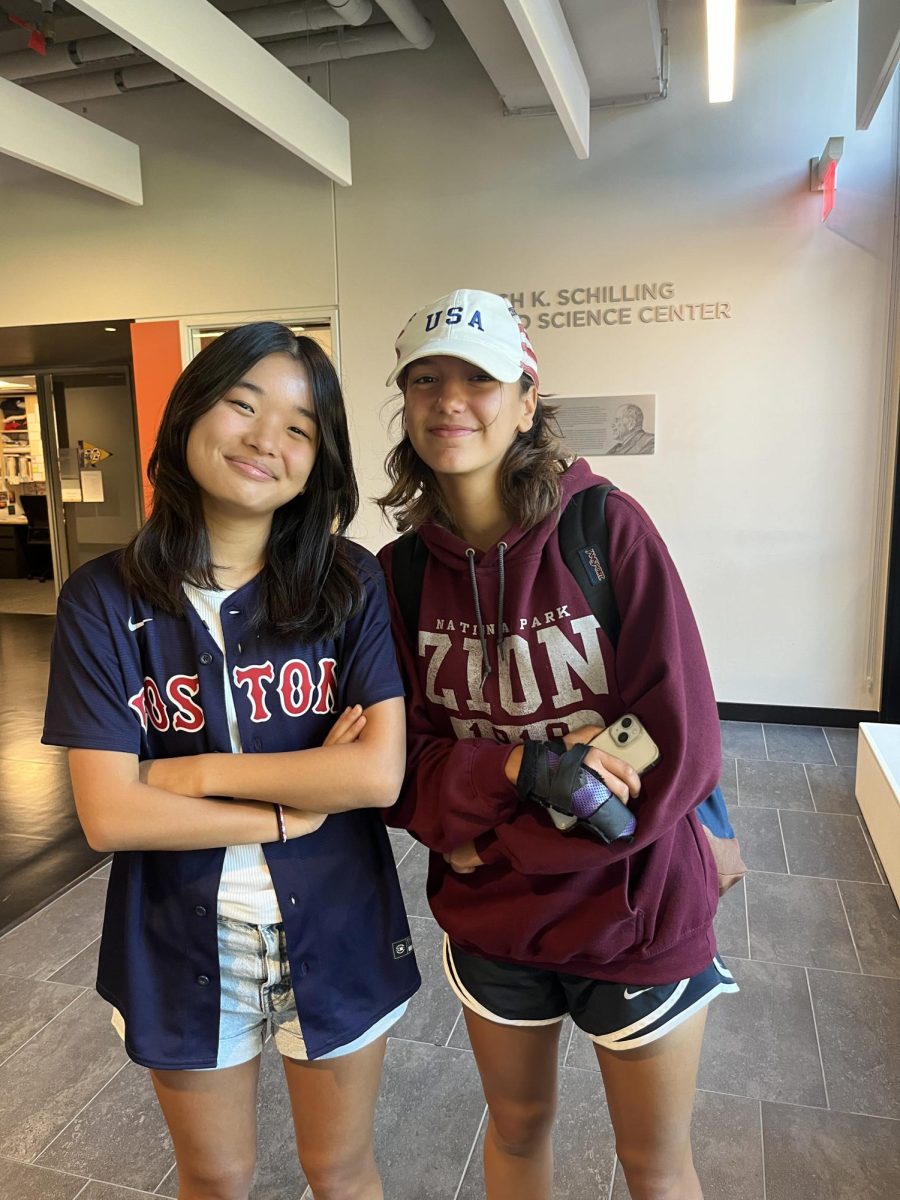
128,677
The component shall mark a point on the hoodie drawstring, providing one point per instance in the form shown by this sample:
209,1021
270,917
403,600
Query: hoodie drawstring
470,555
501,571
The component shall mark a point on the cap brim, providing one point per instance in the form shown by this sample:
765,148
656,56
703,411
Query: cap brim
500,370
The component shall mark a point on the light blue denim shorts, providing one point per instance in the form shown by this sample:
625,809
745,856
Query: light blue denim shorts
257,999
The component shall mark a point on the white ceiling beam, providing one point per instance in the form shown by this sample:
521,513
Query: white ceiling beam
41,133
489,30
878,55
544,30
205,48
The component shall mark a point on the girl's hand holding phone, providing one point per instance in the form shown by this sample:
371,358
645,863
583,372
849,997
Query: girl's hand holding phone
621,779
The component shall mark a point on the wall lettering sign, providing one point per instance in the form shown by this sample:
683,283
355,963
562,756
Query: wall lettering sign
614,304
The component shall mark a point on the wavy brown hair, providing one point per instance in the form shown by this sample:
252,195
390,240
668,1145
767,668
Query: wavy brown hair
529,474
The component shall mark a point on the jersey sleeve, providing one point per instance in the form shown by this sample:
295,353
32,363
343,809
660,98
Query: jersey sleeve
369,670
454,791
663,679
88,694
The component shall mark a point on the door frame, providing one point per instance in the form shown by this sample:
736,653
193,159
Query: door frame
44,377
321,314
890,676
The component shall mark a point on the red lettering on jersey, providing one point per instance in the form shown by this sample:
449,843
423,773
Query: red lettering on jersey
326,687
139,703
295,687
181,690
156,710
254,676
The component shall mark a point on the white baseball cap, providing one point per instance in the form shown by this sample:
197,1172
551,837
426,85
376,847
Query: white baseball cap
480,327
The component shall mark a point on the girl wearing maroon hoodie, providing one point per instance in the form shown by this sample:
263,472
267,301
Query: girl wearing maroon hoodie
511,677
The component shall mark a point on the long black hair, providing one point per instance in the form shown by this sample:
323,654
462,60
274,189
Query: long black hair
309,585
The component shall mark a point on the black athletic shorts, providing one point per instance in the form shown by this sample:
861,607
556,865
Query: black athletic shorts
619,1016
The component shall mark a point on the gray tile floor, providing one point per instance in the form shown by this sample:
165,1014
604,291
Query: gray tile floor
800,1088
27,596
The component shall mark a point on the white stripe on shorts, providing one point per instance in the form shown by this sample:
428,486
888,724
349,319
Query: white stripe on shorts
612,1041
474,1005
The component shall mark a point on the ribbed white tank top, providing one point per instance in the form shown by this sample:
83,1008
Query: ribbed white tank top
245,889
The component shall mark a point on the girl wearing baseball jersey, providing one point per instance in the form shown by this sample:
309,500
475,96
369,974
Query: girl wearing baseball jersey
229,695
510,677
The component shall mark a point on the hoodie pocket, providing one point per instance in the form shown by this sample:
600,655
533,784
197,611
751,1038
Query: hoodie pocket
676,888
590,917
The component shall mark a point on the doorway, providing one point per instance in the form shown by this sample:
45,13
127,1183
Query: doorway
25,545
69,480
94,488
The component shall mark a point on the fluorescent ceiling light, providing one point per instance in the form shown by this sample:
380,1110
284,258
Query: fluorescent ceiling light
720,22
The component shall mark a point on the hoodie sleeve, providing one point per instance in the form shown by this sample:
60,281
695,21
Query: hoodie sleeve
454,791
664,680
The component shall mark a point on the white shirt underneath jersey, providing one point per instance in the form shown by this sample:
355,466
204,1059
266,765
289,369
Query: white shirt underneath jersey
246,892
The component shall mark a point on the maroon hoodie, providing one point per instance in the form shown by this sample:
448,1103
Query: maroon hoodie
639,912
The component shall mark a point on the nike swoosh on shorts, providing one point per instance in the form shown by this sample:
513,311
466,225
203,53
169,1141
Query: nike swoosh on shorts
631,995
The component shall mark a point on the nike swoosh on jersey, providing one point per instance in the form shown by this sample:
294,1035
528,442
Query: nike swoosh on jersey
631,995
133,625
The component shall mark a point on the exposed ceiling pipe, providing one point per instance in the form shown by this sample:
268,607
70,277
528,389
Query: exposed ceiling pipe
407,18
296,52
25,64
354,12
274,20
338,44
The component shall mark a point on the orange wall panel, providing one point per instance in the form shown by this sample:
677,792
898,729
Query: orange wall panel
156,353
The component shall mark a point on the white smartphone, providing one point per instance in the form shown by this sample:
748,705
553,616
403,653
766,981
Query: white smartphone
629,740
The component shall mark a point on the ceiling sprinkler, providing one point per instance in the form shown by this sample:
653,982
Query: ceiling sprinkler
44,32
47,24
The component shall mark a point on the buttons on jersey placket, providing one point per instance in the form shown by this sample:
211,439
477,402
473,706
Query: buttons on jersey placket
202,979
234,657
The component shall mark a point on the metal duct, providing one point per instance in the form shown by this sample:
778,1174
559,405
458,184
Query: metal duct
407,18
300,52
275,20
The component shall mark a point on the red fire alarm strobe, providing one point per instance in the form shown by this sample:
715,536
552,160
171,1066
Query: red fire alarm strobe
823,172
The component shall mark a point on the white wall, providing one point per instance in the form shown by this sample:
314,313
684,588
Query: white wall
230,222
764,482
767,424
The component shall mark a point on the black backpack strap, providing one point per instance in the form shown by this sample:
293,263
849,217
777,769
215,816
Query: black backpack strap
407,575
584,545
